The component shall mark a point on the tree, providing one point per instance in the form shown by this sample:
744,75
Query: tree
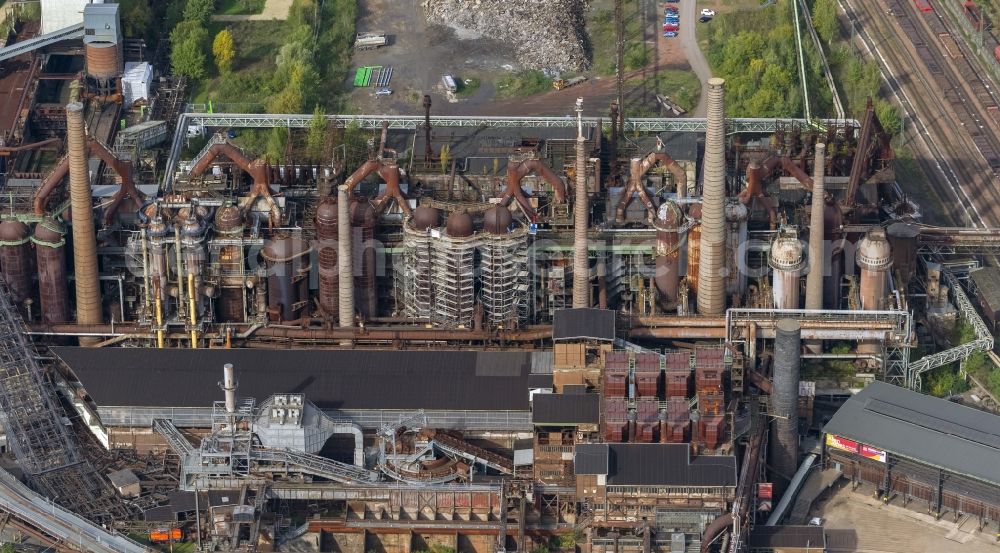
187,56
199,10
316,135
224,50
824,14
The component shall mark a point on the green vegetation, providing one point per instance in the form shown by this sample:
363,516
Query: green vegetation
240,7
437,548
601,28
224,51
755,52
524,83
468,87
316,135
977,364
187,55
683,87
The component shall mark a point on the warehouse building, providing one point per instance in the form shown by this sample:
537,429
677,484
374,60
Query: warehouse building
915,447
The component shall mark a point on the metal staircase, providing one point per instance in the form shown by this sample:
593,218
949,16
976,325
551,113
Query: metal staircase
173,436
316,465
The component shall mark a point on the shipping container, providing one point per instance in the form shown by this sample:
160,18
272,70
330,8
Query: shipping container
616,361
647,362
923,6
161,536
678,360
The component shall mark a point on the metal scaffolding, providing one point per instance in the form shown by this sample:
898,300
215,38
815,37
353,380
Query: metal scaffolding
415,276
504,274
454,280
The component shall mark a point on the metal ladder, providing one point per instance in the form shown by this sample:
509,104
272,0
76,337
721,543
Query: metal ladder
173,436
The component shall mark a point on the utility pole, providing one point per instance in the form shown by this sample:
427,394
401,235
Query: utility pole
620,62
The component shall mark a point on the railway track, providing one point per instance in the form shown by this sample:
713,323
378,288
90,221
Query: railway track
932,94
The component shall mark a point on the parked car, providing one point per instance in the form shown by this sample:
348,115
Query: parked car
707,12
383,92
704,19
671,27
669,10
670,34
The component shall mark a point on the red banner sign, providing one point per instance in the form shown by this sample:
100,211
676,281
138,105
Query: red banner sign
871,453
765,490
866,451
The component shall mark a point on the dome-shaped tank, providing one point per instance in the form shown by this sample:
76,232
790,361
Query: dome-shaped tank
157,227
787,261
326,217
228,218
425,217
287,258
49,230
12,231
192,228
362,214
459,225
833,217
736,211
329,276
874,252
497,220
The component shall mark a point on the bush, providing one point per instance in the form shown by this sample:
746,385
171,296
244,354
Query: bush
524,83
187,56
224,50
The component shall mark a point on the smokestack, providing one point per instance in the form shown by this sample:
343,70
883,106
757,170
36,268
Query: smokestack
784,403
88,288
711,282
814,280
229,386
581,264
345,259
786,263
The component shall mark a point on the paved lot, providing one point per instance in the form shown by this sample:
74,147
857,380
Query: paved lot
856,522
273,9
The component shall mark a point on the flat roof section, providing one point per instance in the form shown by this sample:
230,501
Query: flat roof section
654,465
928,429
584,324
566,409
332,379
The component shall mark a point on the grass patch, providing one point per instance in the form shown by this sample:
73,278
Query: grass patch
256,45
601,28
524,83
468,87
240,7
683,87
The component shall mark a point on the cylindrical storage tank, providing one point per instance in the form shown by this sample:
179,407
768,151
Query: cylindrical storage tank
667,253
158,242
15,259
363,221
786,261
903,239
784,403
50,252
874,258
497,220
192,240
329,270
102,60
736,239
284,256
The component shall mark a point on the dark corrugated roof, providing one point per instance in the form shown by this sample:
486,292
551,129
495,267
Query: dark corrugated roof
934,431
788,536
591,459
987,281
566,409
332,379
656,465
588,324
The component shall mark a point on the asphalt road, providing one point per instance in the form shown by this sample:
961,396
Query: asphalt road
695,57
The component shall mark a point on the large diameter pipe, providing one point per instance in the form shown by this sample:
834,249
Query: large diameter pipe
581,265
88,287
784,402
345,259
817,265
712,252
229,386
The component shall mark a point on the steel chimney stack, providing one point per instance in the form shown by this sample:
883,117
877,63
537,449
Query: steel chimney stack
817,265
88,287
711,281
784,441
229,387
581,263
345,259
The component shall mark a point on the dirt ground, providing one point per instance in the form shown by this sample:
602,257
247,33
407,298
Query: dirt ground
420,54
857,522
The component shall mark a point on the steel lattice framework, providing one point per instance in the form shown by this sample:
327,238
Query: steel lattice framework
983,341
196,116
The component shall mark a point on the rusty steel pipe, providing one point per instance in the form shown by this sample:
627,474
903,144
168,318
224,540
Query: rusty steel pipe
389,171
48,185
88,287
517,170
639,167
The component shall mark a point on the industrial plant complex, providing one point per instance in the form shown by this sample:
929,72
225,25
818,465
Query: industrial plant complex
469,334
